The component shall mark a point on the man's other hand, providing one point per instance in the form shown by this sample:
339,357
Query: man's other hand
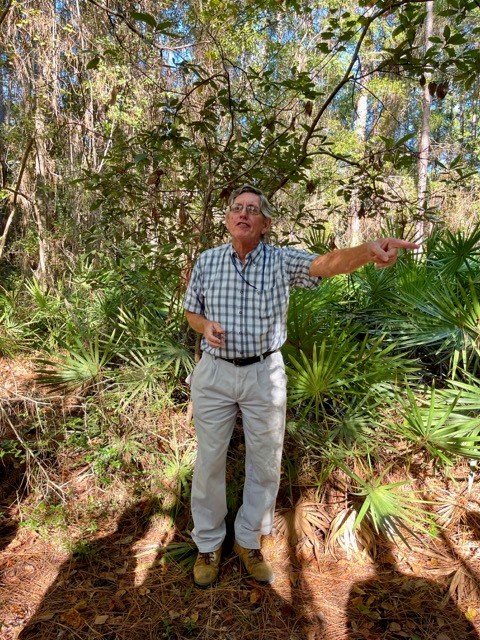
214,334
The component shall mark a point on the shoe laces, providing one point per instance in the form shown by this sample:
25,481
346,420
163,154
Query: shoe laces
256,554
208,557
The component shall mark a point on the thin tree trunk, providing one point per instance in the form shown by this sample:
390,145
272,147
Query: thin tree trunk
361,131
3,237
424,142
40,190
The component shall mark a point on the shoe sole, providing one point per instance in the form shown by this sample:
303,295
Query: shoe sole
264,581
205,586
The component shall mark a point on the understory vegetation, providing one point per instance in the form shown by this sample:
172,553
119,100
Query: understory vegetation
124,129
383,390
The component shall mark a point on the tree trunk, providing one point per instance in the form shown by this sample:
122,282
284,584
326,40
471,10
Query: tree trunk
356,235
16,194
424,142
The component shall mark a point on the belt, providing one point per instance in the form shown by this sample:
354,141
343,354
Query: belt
243,362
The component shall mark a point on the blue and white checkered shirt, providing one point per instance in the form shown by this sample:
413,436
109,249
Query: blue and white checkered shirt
250,300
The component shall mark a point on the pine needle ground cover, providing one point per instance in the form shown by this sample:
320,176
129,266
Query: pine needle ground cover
86,557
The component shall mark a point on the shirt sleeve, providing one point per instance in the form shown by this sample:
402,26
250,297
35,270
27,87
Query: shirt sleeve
298,265
194,300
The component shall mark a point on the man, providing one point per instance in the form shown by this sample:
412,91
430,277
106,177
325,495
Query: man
238,298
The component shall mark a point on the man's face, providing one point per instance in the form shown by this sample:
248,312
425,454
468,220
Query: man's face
244,226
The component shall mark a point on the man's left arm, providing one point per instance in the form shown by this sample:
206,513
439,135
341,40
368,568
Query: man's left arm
382,252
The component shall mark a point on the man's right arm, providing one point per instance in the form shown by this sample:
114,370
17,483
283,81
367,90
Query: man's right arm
213,332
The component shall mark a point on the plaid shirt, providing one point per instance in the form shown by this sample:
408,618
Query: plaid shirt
250,300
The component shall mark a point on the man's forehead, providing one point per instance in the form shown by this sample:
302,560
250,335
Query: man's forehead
248,195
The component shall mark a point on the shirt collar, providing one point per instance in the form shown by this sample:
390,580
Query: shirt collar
253,256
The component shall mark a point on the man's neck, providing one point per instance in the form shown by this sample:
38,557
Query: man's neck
243,249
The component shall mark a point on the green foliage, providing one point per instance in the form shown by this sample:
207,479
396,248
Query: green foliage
442,315
346,365
181,553
390,510
456,254
432,424
11,448
83,367
16,333
174,113
177,470
153,352
46,519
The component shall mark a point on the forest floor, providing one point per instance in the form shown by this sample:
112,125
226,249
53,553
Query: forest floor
98,569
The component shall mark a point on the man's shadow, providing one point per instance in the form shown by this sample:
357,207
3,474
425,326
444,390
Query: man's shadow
236,606
95,584
393,605
95,594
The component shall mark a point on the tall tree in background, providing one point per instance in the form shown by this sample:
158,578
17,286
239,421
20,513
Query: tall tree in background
424,137
125,129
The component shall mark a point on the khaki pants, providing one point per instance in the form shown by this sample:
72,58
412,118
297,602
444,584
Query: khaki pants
219,389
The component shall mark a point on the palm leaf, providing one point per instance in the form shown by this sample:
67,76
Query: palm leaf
302,520
434,426
457,253
82,367
343,366
386,506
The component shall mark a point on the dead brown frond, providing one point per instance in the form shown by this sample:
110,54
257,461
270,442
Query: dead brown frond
447,567
342,534
464,585
457,508
303,520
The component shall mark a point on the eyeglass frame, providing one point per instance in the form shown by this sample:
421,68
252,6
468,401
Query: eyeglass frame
250,209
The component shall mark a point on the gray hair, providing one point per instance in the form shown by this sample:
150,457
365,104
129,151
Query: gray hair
265,205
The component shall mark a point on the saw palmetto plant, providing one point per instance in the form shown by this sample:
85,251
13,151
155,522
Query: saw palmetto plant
344,364
431,424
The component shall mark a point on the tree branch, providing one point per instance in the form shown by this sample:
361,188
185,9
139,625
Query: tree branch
5,11
345,79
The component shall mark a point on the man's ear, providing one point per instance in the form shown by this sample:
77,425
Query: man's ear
267,222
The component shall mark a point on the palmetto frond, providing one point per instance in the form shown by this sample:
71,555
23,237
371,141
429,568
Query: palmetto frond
310,315
465,393
373,289
181,553
15,332
444,316
344,533
324,376
82,366
456,253
433,425
151,351
391,511
302,520
343,366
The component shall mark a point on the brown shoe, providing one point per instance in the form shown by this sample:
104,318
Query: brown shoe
254,563
206,567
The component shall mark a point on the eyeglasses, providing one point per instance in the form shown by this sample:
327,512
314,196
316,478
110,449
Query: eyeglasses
250,209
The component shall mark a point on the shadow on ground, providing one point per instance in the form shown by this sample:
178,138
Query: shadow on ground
95,595
393,606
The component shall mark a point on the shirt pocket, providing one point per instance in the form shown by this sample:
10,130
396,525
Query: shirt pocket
215,300
273,301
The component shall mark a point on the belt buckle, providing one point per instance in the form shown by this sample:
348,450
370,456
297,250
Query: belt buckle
235,361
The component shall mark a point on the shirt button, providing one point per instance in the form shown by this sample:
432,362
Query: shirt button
239,313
